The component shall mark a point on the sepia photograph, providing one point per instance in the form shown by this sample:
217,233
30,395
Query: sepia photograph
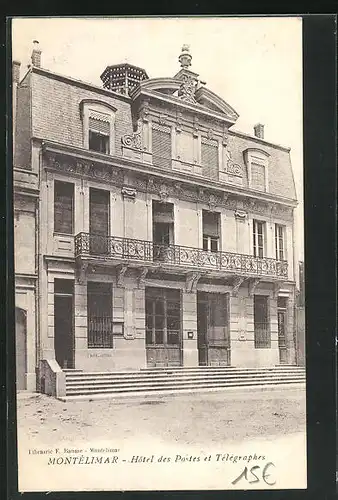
159,253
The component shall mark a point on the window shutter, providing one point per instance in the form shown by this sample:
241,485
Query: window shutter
161,145
99,126
209,156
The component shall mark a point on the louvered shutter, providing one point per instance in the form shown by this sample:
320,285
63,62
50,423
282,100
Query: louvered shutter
99,126
161,145
209,156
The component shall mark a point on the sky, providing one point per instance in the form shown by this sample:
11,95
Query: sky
253,63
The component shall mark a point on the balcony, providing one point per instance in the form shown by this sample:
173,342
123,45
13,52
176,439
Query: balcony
113,248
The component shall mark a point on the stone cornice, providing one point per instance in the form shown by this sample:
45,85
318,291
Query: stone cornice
111,169
164,187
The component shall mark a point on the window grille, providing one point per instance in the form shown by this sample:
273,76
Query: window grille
261,323
100,319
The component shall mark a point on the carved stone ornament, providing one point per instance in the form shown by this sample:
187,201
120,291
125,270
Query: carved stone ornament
179,121
195,126
210,133
276,287
240,215
230,167
144,113
142,273
120,272
212,202
191,280
128,192
238,280
187,90
162,119
84,168
163,192
253,283
133,141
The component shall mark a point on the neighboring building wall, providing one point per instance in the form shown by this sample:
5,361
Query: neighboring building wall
23,125
25,283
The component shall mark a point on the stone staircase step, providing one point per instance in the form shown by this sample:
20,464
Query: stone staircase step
191,386
143,395
177,379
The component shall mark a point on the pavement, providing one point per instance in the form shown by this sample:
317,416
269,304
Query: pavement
268,424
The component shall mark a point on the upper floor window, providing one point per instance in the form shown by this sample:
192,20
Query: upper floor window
279,241
210,231
257,162
99,134
161,146
258,238
209,158
63,207
98,120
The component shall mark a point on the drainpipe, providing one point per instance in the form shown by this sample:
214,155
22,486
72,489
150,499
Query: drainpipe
295,333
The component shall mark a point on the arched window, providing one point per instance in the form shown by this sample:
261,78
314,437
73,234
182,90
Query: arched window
98,119
257,162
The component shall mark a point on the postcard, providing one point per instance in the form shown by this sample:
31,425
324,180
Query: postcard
158,238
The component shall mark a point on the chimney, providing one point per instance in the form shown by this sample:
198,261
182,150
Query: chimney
259,131
36,54
16,71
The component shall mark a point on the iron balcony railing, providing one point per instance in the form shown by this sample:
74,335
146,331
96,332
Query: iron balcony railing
113,247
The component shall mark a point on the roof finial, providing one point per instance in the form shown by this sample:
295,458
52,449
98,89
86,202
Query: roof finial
185,57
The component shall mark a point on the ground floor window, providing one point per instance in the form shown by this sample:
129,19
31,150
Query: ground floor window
261,322
163,316
99,303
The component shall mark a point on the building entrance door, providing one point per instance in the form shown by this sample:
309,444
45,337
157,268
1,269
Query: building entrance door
64,323
213,336
163,327
282,337
20,344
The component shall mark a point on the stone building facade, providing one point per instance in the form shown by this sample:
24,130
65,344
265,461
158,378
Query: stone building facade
147,231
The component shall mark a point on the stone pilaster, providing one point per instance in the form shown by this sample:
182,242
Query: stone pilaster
80,316
189,308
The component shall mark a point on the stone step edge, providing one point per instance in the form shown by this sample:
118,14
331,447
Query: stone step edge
182,376
169,371
175,392
179,380
94,390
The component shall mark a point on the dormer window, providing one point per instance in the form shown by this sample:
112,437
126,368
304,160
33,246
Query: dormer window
257,163
98,119
99,132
